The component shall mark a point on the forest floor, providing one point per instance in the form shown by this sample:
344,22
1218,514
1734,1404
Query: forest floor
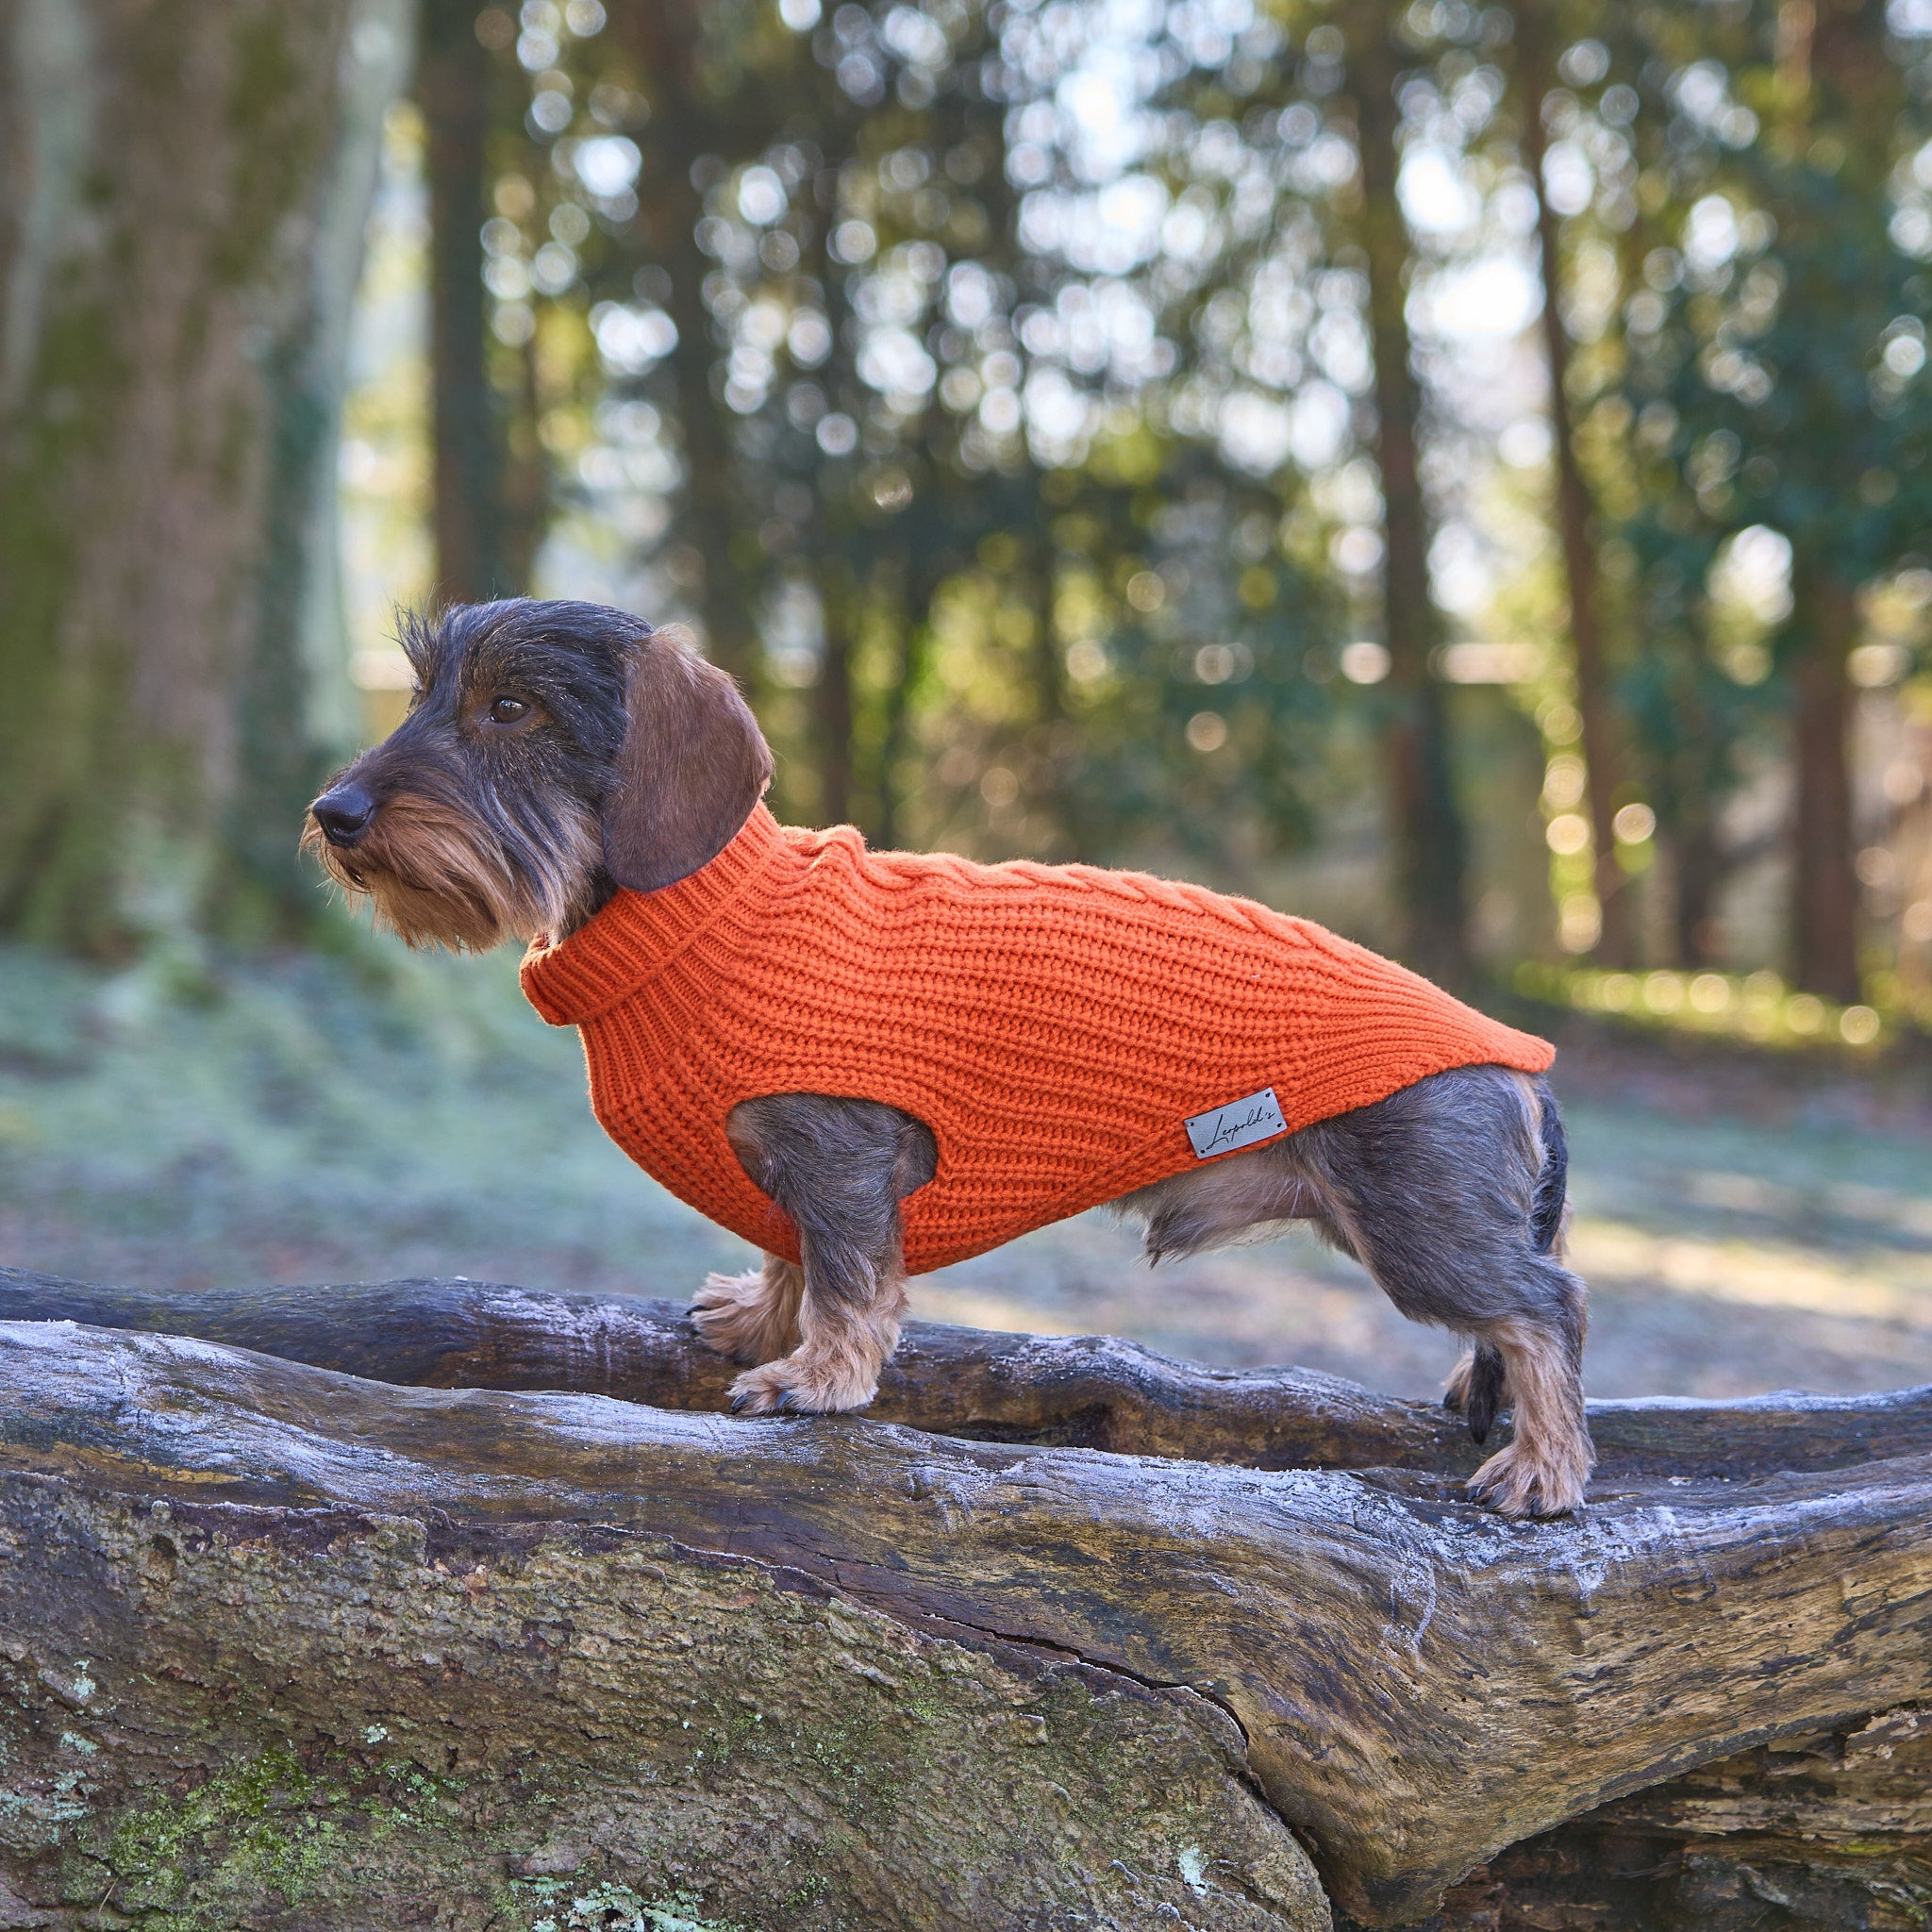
1746,1220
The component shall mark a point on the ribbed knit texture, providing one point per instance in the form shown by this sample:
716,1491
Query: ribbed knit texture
1053,1025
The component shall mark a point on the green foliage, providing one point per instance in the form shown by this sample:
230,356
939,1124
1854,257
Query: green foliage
1760,376
1758,1007
1023,460
858,428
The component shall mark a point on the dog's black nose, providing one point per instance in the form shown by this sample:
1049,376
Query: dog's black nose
344,813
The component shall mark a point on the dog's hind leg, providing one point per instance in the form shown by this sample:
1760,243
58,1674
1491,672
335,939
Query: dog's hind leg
838,1168
1451,1194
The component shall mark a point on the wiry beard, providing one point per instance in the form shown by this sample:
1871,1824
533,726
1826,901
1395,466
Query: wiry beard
435,876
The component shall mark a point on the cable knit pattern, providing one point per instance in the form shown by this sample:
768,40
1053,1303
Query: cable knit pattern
1053,1025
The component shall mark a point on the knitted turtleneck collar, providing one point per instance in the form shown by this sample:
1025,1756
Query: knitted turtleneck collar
626,942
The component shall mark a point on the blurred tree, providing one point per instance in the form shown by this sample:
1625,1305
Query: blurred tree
693,76
1690,682
1161,328
1775,382
1537,38
982,440
1846,428
880,440
184,191
1431,846
456,88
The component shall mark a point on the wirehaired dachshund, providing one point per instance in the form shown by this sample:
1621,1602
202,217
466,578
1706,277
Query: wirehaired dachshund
557,754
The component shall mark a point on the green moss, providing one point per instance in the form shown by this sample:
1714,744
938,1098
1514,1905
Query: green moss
55,846
271,1825
247,1821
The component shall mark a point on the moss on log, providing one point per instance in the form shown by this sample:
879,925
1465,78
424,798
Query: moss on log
1226,1662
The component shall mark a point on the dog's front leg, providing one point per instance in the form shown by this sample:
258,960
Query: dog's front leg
751,1317
838,1168
848,1324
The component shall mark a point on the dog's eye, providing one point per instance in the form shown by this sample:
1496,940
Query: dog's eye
507,711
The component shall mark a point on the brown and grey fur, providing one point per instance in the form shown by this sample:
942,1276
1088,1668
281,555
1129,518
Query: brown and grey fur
557,751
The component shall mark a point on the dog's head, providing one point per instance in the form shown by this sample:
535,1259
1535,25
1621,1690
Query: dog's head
552,753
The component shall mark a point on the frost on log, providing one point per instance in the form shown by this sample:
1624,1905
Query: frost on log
333,1606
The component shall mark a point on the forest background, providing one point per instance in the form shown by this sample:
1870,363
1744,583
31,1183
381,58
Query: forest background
1457,472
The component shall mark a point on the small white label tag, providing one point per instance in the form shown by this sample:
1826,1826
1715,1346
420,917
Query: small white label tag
1240,1123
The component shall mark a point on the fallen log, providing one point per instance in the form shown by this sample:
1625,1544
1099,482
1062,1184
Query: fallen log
1076,1392
1230,1661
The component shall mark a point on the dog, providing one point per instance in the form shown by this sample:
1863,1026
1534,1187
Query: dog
568,776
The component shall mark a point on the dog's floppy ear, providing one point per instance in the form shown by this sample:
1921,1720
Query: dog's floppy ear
693,765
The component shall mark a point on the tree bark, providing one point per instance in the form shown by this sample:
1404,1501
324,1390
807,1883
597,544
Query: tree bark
454,88
1534,76
497,1685
1824,883
1830,1829
168,399
295,1590
1431,848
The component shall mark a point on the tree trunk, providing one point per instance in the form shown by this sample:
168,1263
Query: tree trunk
498,1685
1535,77
185,186
1697,868
454,88
897,739
527,483
1429,839
840,607
1854,93
664,42
298,713
276,1632
1824,884
1825,1830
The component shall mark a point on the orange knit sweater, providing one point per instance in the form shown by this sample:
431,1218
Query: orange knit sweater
1055,1026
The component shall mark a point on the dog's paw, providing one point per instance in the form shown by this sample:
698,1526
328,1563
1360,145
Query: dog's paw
738,1316
820,1384
1517,1481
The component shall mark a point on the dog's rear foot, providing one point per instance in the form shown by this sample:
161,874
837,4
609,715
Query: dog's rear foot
1522,1479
